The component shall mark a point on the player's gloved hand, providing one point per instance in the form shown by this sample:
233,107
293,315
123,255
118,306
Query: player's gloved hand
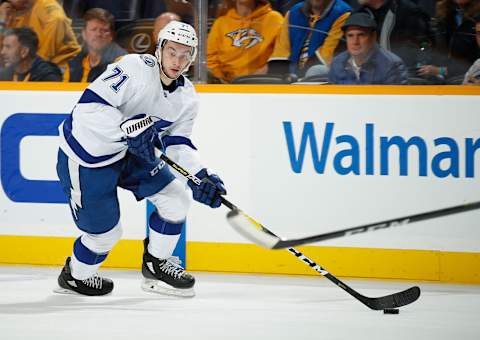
210,190
141,137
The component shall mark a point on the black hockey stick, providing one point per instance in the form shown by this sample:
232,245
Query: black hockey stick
261,236
395,300
378,303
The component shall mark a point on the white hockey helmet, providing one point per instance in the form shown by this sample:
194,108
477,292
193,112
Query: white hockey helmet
181,33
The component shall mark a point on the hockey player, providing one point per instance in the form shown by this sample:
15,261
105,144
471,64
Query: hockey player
156,105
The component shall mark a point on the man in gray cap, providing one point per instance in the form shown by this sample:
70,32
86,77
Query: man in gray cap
365,62
403,28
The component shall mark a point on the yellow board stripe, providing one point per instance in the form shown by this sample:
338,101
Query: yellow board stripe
247,258
461,90
41,86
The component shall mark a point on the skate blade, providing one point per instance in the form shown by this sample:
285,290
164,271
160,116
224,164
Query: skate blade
64,291
159,287
60,290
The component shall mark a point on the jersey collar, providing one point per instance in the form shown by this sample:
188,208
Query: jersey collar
180,81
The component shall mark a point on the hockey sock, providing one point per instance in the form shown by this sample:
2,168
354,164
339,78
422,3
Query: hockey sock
163,236
85,262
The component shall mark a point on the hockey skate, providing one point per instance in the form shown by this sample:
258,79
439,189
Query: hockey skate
93,286
166,276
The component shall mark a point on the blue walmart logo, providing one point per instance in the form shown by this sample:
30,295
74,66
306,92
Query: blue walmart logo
441,157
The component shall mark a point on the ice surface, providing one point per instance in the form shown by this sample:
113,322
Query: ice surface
229,306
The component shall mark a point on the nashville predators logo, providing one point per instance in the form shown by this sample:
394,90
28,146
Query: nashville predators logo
245,38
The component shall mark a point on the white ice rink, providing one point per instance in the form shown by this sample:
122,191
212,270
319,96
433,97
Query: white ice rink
231,307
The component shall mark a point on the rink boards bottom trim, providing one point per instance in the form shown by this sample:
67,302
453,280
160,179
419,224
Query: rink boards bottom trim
428,265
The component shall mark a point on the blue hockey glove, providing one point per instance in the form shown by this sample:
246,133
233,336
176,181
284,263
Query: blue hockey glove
143,145
210,191
141,137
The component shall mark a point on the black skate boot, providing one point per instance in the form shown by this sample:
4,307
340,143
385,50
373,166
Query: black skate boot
94,285
165,276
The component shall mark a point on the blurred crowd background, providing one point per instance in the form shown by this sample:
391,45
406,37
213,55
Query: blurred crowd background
418,42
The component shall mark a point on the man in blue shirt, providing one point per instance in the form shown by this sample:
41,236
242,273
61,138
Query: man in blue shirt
365,62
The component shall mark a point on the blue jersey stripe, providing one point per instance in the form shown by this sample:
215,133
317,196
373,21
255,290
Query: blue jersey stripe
89,96
177,140
77,148
161,124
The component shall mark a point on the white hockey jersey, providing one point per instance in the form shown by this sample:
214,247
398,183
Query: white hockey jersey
91,135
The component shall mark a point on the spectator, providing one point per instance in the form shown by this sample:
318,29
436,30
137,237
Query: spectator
456,45
472,77
2,63
98,50
19,52
240,42
403,28
57,42
310,34
364,61
160,22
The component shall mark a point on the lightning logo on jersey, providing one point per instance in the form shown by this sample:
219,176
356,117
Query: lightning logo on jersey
245,38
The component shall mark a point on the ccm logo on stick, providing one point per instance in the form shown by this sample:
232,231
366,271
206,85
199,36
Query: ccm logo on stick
378,226
16,186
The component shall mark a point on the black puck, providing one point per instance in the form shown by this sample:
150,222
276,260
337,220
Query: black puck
391,311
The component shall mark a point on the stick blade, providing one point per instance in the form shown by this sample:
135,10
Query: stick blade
251,229
396,300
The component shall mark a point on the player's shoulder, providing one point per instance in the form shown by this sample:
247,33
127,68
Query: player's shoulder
138,62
